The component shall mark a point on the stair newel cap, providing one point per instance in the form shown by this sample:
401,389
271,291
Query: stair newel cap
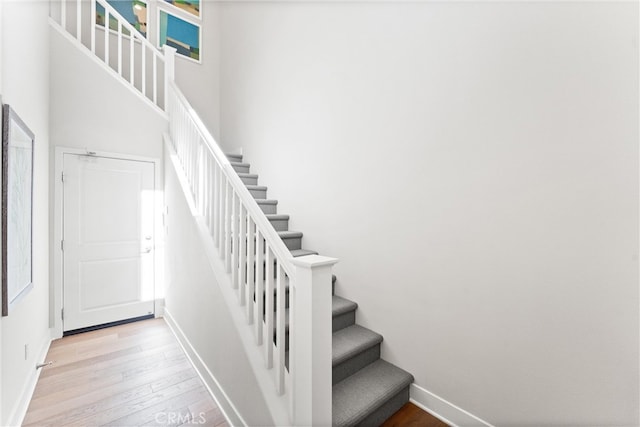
169,50
314,261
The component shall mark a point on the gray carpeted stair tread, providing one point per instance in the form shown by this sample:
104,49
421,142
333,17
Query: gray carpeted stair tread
302,252
340,306
276,217
353,340
256,187
247,175
266,201
234,157
289,234
359,395
247,165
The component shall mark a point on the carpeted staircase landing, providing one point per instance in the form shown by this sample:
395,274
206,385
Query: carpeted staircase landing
366,389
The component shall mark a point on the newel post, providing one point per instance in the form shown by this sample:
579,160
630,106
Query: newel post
169,72
311,356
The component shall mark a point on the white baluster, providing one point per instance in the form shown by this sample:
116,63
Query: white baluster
214,200
144,69
268,309
221,209
227,227
259,310
210,194
280,328
236,240
63,14
131,61
242,253
251,268
106,36
79,20
120,47
155,78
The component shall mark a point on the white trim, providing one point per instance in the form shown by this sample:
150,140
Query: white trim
87,52
443,409
214,388
58,217
20,410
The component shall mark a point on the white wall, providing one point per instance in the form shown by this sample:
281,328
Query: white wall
195,302
25,86
201,82
474,166
91,109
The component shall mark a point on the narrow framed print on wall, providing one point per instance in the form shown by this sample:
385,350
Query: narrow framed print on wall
134,11
17,209
190,6
180,34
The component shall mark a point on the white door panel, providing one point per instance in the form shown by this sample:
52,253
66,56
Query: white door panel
108,240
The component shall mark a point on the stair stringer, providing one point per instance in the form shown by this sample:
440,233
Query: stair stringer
276,405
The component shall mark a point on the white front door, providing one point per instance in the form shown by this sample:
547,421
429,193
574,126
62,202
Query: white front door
108,243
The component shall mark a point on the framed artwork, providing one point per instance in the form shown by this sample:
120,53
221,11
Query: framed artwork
189,6
134,11
183,35
17,209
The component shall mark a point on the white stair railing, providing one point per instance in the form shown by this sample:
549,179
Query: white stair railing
146,69
262,265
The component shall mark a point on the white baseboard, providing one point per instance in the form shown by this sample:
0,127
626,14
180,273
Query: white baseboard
213,386
443,409
20,410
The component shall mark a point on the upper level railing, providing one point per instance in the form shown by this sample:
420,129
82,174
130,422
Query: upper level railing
262,271
120,46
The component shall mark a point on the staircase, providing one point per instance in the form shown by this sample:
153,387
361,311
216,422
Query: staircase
245,231
366,389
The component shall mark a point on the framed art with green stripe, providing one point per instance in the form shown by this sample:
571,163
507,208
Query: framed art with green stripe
134,11
189,6
183,35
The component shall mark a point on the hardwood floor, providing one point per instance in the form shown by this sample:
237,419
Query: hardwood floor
134,375
412,416
129,375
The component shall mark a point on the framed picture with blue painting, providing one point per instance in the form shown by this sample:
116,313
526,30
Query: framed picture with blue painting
190,6
180,34
134,11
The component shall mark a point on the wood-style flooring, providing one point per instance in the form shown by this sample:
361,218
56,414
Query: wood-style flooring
129,375
137,375
412,416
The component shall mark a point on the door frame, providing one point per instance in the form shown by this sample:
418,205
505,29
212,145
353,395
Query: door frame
56,287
